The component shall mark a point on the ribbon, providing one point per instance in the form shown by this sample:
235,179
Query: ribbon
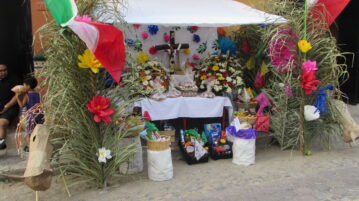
246,134
320,101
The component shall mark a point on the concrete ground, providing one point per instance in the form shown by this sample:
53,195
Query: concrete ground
276,176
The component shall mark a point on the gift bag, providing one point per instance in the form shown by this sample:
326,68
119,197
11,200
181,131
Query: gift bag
244,145
262,123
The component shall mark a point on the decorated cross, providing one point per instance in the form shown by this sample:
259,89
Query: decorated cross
172,49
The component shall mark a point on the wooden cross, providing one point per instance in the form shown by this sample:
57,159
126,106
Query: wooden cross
172,47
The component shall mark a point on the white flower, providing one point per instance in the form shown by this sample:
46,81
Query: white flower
216,82
222,70
229,79
202,87
219,74
149,77
216,88
145,83
229,90
232,69
104,155
281,85
311,113
239,81
151,83
147,72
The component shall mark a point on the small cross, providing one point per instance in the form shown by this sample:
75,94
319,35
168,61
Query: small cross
172,47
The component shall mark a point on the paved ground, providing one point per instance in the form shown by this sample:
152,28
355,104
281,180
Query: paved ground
276,176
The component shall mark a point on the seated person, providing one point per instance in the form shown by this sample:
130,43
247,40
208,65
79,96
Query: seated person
9,109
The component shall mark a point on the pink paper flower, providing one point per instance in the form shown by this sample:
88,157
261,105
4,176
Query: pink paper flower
99,106
166,37
84,18
144,35
288,90
246,48
309,66
281,50
136,26
195,56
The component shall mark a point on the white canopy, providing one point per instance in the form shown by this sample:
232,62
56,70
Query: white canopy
204,13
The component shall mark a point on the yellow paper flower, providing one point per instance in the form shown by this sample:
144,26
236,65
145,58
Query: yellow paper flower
142,57
304,46
144,78
215,68
187,51
221,78
203,77
88,60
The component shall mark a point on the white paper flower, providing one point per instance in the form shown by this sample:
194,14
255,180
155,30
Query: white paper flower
229,90
202,87
239,81
222,70
219,74
147,72
104,155
145,83
229,79
281,85
151,83
311,113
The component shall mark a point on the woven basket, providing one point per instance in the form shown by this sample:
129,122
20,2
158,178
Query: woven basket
170,134
159,145
246,105
250,120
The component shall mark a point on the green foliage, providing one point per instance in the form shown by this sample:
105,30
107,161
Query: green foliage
76,136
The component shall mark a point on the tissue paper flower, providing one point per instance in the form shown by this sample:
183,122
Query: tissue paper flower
166,37
192,29
152,29
311,113
246,48
215,68
308,82
288,90
104,155
100,107
138,45
142,57
187,51
88,60
309,65
144,35
130,42
195,56
136,26
152,50
196,38
304,46
221,31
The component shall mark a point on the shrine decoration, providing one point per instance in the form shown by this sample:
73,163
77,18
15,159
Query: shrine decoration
172,48
225,69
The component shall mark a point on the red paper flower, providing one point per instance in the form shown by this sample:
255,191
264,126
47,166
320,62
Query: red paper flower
194,28
136,26
152,50
308,82
221,31
99,106
246,48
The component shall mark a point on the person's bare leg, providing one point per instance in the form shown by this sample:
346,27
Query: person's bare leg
4,123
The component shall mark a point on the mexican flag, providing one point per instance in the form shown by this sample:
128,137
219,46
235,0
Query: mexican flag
104,41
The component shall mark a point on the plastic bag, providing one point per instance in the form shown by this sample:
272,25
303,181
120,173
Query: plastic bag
244,151
160,165
262,123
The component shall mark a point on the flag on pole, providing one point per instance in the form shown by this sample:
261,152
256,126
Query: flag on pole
329,8
104,41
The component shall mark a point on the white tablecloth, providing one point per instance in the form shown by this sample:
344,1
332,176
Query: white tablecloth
190,107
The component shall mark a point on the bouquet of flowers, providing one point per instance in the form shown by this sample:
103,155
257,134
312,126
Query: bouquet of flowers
224,70
153,77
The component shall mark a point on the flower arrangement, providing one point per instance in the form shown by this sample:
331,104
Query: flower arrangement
151,75
226,71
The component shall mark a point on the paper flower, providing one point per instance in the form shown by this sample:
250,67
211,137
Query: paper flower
304,46
309,65
187,51
308,82
196,38
280,50
195,56
104,155
311,113
166,37
88,60
138,45
142,57
84,18
144,35
152,50
227,45
192,29
288,90
130,42
136,26
100,107
215,68
152,29
246,48
221,31
202,48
